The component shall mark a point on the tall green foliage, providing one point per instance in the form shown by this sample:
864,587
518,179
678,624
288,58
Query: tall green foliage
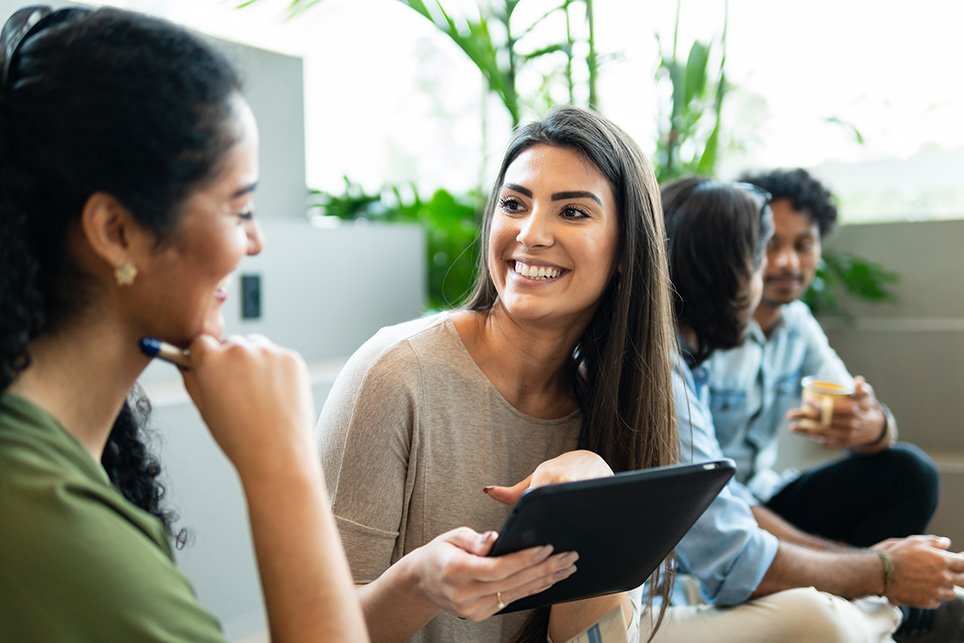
689,139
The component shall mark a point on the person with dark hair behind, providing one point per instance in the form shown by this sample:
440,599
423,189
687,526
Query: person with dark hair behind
558,366
739,581
885,489
128,158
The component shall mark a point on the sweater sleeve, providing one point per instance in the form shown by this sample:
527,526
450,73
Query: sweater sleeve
368,441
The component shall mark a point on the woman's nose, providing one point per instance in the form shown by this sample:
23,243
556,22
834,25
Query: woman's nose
535,230
255,238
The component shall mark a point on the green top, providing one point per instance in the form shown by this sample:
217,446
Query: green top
78,562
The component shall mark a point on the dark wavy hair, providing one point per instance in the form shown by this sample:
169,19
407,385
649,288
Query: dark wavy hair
806,194
92,101
620,370
717,235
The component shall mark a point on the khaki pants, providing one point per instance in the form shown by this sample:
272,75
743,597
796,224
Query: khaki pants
801,615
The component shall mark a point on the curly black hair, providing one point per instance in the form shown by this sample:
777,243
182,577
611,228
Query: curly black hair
98,100
806,194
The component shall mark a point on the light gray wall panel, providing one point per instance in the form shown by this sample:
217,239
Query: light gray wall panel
913,352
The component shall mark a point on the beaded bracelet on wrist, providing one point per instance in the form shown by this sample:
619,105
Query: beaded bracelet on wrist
888,571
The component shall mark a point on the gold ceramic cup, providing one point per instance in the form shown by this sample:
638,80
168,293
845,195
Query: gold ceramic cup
822,394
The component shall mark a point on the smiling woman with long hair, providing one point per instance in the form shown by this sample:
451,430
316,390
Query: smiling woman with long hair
557,368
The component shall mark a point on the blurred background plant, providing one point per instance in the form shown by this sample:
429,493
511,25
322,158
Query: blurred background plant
846,272
451,224
689,137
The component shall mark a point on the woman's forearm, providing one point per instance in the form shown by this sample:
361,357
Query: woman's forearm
306,580
393,606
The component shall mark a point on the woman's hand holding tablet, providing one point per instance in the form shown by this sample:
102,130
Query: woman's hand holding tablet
456,573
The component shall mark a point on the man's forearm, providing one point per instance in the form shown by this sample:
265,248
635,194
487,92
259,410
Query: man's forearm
848,573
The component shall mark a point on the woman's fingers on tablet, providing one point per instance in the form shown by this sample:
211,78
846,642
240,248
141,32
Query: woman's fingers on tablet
459,578
535,579
498,569
531,580
551,570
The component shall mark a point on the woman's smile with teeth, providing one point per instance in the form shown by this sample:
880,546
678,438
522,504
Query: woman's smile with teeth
536,272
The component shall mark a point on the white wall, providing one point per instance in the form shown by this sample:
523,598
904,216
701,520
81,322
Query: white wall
273,86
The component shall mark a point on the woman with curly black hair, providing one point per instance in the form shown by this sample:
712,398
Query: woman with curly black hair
128,159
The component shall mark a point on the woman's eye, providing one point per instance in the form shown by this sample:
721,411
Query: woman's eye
510,204
246,215
572,212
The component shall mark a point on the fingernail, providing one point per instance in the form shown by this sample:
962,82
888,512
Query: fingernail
565,573
487,489
543,553
567,558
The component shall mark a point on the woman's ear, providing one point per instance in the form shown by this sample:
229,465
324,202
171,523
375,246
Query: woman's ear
110,231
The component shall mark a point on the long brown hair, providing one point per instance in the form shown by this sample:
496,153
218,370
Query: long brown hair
620,369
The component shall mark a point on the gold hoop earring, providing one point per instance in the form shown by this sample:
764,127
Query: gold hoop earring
125,274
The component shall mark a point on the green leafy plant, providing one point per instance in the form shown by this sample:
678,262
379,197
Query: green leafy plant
689,139
846,272
451,224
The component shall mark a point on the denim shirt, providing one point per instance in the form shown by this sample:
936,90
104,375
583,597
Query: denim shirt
725,550
752,387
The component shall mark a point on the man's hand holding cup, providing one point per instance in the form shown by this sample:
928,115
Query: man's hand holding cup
839,414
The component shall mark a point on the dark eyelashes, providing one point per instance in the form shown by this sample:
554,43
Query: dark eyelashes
507,200
573,210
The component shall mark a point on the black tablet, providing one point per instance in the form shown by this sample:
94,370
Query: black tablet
623,526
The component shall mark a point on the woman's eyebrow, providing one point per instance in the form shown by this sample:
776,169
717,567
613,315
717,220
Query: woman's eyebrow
244,189
516,188
578,194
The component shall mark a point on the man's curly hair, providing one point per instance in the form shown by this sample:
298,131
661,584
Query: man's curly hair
806,194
